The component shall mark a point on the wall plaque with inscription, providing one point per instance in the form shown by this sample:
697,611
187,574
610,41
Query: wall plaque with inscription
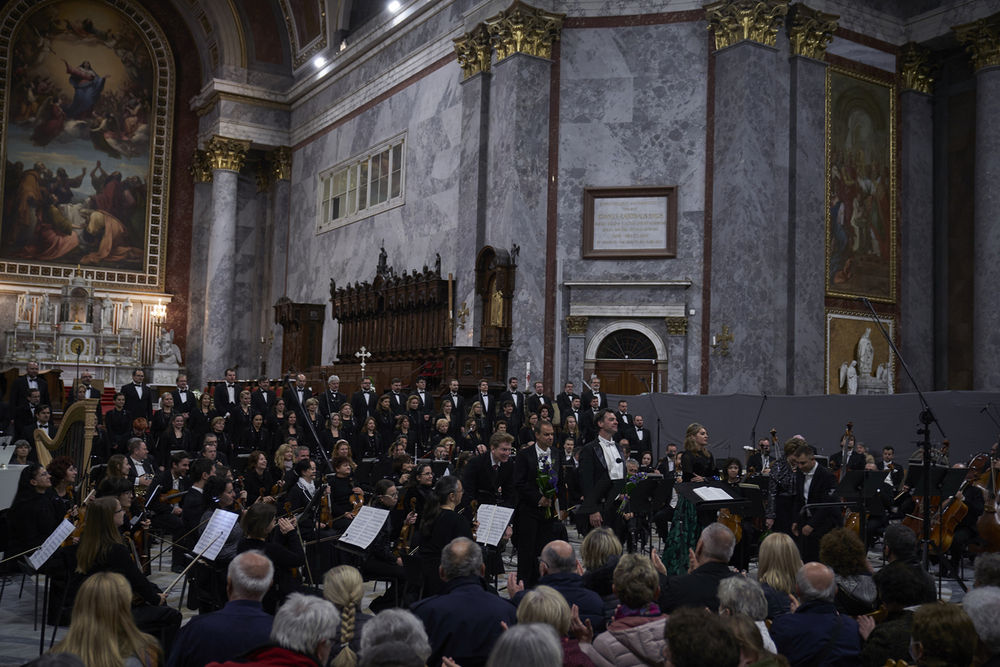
630,222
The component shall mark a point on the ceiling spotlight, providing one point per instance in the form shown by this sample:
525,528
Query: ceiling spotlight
394,6
319,61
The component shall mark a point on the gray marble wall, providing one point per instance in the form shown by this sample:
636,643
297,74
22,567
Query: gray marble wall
632,112
200,225
986,319
250,216
916,149
516,195
220,276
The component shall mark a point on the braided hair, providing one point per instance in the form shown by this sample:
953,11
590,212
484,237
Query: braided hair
344,587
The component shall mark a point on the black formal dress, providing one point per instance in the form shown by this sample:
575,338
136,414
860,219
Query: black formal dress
118,424
257,439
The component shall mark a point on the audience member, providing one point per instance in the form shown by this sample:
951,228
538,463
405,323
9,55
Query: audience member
393,654
600,552
392,626
943,635
778,563
898,588
237,627
709,566
696,637
749,635
531,645
983,607
345,588
739,595
842,551
987,570
899,546
543,604
562,571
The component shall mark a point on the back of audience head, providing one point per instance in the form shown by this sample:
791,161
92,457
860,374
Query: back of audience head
842,550
739,595
751,642
900,587
306,624
393,654
250,575
396,625
899,542
983,607
942,634
544,604
815,581
717,543
598,546
532,644
461,558
558,557
697,637
636,581
779,562
344,587
987,570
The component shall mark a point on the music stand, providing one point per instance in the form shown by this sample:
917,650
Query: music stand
732,502
944,483
641,501
860,486
440,468
755,495
382,469
363,473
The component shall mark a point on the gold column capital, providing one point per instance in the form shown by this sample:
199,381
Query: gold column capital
281,164
474,51
200,167
677,326
983,37
918,73
576,325
524,29
225,153
736,20
810,31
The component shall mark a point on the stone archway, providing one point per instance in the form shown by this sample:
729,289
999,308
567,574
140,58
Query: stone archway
629,357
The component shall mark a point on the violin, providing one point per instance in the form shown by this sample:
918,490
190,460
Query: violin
137,543
81,512
733,522
357,500
406,532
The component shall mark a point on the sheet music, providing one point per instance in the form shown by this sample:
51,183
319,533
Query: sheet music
493,520
365,527
709,493
50,545
219,526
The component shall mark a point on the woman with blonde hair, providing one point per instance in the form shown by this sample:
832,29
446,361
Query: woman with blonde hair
544,604
600,553
778,565
344,587
697,464
102,632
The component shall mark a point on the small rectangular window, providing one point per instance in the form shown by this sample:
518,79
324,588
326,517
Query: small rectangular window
363,186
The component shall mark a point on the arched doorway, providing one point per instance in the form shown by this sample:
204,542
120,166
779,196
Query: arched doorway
626,361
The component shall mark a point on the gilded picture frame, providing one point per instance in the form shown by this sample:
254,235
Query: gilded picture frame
862,206
86,124
858,358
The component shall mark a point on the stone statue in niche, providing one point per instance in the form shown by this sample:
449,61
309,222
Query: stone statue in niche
856,375
45,312
865,353
437,264
166,352
23,308
107,311
126,321
849,376
383,261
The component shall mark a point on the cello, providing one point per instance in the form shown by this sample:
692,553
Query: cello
988,524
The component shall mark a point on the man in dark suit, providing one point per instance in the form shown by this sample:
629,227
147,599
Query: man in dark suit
573,411
898,474
855,460
601,460
86,381
25,414
538,399
363,401
397,400
565,400
457,402
263,398
332,399
639,437
588,419
490,404
426,403
239,626
594,390
227,395
516,398
699,587
184,400
510,415
533,528
814,484
166,516
762,460
625,423
43,420
296,396
30,380
488,477
138,397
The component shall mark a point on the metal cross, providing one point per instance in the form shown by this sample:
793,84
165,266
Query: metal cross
363,355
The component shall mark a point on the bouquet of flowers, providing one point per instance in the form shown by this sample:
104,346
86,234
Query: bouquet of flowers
630,485
547,481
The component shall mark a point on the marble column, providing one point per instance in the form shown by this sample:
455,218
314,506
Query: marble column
474,53
517,182
983,41
576,345
226,157
201,222
810,31
749,281
677,354
278,214
916,151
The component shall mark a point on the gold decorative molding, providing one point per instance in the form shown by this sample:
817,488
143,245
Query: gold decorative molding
918,74
281,164
474,52
811,31
983,37
733,21
677,326
524,29
201,168
576,325
225,153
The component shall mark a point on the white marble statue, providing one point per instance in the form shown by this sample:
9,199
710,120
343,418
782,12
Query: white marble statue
849,376
126,321
107,311
166,352
23,308
866,353
882,374
45,312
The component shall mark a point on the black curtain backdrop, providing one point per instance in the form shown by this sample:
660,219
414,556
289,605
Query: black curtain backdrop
821,420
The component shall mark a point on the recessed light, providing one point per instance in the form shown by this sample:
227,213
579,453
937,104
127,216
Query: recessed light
319,61
394,6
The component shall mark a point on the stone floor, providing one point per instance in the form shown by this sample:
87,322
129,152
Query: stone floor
19,641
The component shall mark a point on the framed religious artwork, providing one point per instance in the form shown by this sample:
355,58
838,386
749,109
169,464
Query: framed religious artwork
858,358
861,170
87,124
630,222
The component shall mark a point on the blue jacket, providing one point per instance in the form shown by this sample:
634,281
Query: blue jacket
222,635
463,621
570,584
805,634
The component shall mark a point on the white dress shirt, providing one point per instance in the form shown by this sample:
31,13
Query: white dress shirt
616,467
542,453
138,390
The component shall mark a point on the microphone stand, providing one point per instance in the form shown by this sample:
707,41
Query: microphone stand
926,419
656,413
753,431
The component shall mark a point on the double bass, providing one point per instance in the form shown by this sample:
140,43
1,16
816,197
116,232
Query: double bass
988,524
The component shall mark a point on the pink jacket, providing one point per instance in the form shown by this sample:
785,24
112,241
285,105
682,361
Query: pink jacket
634,641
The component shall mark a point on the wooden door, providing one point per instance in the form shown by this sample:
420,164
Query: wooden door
627,377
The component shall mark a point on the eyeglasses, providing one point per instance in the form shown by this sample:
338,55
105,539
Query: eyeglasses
121,511
391,495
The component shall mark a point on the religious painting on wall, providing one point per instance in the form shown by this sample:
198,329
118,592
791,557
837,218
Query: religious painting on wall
861,213
86,127
858,358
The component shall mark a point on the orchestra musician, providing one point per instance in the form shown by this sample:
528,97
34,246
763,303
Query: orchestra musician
35,511
762,459
380,561
279,541
966,531
896,472
781,489
439,525
488,477
855,460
